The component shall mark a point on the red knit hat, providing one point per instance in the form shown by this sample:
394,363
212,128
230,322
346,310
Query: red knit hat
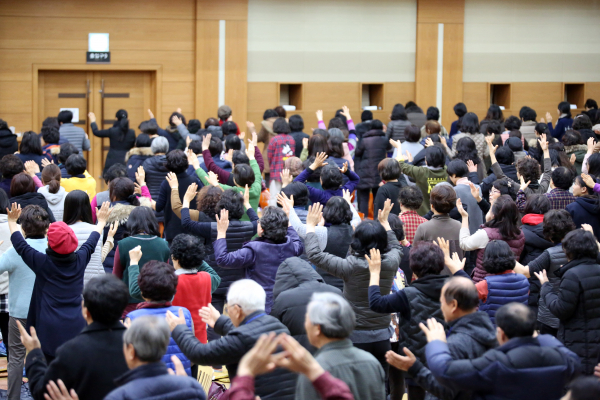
61,238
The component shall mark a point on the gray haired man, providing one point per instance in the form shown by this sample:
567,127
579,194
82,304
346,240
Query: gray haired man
329,322
144,345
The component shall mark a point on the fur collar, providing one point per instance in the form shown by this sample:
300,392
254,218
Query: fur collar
120,212
137,151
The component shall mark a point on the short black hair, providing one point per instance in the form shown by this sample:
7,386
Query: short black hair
142,220
368,235
123,189
541,128
66,150
34,221
142,140
274,225
157,281
399,113
243,175
239,157
433,113
299,191
537,204
296,123
512,123
31,144
194,125
232,142
337,211
65,117
529,169
458,168
557,223
149,128
188,250
195,146
215,147
469,123
50,134
270,113
585,387
177,161
75,165
435,157
562,178
426,258
48,122
232,201
331,177
580,244
443,198
229,128
412,133
493,127
528,114
498,257
505,156
463,291
366,115
4,202
77,208
117,170
516,320
11,165
460,109
389,169
565,108
377,124
591,103
411,197
397,226
105,296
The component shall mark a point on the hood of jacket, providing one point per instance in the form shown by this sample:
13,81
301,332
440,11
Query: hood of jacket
139,151
216,131
53,198
478,326
588,204
159,163
31,198
532,219
373,133
430,285
7,137
292,273
120,212
534,236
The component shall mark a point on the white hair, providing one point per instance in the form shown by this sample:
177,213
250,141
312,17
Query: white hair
247,294
333,313
159,145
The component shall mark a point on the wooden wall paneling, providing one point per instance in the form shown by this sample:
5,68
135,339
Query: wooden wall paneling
329,97
262,95
541,96
452,86
230,10
426,64
207,69
236,69
398,92
441,11
476,98
592,90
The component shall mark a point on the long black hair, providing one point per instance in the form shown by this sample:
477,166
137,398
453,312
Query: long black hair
505,218
31,144
77,208
467,150
122,123
142,221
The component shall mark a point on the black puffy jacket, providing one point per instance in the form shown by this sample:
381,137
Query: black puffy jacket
535,244
228,350
370,150
156,171
576,304
8,142
295,283
36,199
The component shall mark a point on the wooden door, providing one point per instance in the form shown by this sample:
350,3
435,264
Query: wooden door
101,92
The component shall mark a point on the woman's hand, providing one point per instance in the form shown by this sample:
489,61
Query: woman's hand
286,204
258,360
222,224
444,141
319,114
305,143
548,117
92,117
346,112
229,156
319,161
491,147
176,120
13,216
189,195
173,320
428,142
346,195
172,179
135,255
471,166
140,176
384,214
524,185
250,126
193,159
103,215
542,276
150,114
213,179
247,204
46,162
590,145
286,178
209,315
374,266
344,168
113,229
206,142
475,192
315,212
454,264
461,210
543,142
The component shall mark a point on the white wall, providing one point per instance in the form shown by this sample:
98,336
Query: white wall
331,40
532,41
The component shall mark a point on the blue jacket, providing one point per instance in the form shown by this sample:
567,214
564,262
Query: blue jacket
152,381
504,289
55,309
262,259
562,125
172,349
524,368
323,196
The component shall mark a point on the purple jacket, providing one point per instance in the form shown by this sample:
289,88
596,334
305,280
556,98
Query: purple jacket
261,259
323,196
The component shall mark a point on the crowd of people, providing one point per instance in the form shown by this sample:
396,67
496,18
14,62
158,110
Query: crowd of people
363,260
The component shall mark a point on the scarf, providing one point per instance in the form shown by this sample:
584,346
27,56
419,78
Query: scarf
152,304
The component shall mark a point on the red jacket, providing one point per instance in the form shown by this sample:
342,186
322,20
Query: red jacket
193,293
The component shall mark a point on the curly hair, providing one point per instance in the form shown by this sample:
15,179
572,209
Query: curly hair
498,257
274,225
580,244
411,197
177,161
187,250
557,223
11,165
157,281
529,169
207,199
233,202
337,211
425,259
34,221
368,235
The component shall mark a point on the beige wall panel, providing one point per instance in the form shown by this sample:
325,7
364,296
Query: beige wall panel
397,92
476,98
262,95
118,9
441,11
207,68
16,97
452,85
21,121
236,67
426,66
223,9
592,90
541,96
330,97
179,95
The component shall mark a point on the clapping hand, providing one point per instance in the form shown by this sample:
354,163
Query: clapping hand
222,223
29,341
319,161
315,212
172,179
173,320
286,178
258,360
32,168
286,204
542,276
403,363
296,358
209,315
179,368
434,330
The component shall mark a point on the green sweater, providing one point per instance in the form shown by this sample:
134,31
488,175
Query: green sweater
425,178
153,248
254,190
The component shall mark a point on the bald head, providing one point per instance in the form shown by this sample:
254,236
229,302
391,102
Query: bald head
516,320
462,290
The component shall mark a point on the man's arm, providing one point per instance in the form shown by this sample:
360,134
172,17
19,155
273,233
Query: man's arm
226,350
424,378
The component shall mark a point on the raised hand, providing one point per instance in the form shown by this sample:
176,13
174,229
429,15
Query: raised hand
590,145
344,168
140,176
31,168
254,139
472,166
242,135
475,191
172,179
229,155
29,341
461,210
14,213
573,159
135,255
524,184
346,195
428,142
179,369
250,126
206,142
319,114
587,228
444,141
258,360
103,214
46,162
434,330
250,151
286,178
188,140
444,245
150,114
543,142
542,276
209,315
548,117
409,156
113,229
222,224
189,195
319,161
491,147
297,359
588,180
173,320
176,120
92,117
403,363
193,159
315,211
385,212
247,197
396,144
346,112
374,261
286,204
305,143
212,179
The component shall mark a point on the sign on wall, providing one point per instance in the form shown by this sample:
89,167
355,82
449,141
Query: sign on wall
98,49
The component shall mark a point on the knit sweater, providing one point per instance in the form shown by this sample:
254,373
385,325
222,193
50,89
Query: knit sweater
83,230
